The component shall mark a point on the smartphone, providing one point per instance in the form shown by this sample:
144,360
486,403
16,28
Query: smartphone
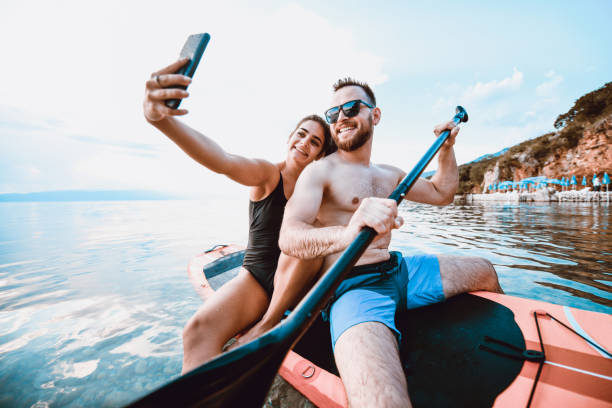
193,49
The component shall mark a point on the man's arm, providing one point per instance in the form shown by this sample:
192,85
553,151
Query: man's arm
298,236
441,189
301,239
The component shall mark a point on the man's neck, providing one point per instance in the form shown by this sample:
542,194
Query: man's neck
358,156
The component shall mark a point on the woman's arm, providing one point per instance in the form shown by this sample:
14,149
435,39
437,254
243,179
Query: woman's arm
250,172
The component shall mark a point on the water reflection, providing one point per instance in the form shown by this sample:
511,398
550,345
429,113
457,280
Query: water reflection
562,247
96,294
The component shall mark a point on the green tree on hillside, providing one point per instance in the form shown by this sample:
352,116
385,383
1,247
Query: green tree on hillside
587,107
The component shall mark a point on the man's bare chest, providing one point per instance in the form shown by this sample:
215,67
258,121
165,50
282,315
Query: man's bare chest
348,189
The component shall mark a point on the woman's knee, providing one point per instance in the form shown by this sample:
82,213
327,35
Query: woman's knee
198,326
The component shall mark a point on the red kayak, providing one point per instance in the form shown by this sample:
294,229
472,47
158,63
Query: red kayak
478,349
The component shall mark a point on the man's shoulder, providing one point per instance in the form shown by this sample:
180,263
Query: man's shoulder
319,168
326,163
390,169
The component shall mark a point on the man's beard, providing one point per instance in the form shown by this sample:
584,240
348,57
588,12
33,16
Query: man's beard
356,141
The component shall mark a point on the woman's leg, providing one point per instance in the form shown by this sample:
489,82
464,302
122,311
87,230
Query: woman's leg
293,278
234,307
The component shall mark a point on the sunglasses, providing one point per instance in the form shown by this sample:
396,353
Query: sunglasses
350,109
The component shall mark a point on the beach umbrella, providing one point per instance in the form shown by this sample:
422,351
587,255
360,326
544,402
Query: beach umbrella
606,179
584,182
573,182
506,184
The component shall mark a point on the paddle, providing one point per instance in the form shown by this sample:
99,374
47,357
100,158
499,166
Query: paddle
242,377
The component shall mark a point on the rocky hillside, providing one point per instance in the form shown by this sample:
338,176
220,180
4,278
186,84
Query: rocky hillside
580,146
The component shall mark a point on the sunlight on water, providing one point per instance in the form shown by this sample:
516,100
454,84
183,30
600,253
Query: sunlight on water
559,253
94,296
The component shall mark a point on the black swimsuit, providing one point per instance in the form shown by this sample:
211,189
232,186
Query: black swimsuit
265,218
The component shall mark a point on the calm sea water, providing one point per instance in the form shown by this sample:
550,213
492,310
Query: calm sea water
94,295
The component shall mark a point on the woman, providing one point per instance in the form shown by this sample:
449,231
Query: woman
240,303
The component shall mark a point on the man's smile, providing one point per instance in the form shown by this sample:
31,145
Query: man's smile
345,128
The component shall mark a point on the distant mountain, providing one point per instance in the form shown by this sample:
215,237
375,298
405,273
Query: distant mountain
428,174
89,195
489,156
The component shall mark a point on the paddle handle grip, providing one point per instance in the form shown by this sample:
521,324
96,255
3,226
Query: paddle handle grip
400,191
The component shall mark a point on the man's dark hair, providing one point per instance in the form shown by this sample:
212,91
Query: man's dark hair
329,146
341,83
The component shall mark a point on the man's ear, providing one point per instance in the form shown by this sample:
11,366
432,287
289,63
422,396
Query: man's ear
376,113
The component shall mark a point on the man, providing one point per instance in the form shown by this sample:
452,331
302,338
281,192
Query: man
596,183
337,196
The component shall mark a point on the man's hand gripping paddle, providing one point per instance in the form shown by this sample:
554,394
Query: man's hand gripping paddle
408,181
242,377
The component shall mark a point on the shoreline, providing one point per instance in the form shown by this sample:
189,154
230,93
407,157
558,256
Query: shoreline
544,195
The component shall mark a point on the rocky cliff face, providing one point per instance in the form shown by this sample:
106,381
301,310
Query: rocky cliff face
582,146
593,154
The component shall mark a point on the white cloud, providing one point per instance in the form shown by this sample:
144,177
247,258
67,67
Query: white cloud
496,123
547,87
264,69
483,90
34,171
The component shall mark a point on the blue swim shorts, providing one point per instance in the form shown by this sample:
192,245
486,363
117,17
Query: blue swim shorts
374,293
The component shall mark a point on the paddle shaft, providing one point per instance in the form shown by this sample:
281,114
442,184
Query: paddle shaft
367,234
307,310
224,381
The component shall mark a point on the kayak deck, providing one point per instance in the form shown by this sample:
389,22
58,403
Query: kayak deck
575,373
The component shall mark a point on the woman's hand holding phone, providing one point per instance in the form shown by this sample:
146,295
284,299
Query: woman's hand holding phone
167,87
162,86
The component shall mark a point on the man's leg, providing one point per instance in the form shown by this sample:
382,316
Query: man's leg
231,309
367,357
466,274
362,323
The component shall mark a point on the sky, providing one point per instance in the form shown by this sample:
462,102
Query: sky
74,74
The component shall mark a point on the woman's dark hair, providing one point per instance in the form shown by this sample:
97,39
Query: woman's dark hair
329,146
